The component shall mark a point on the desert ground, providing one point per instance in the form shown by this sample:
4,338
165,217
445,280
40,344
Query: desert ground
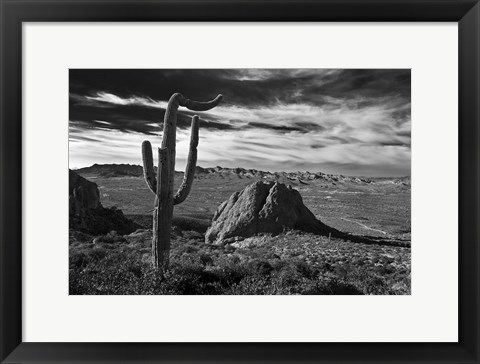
374,210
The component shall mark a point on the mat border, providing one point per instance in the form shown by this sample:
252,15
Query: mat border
14,12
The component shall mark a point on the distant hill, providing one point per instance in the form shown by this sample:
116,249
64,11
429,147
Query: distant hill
292,176
299,177
112,170
133,170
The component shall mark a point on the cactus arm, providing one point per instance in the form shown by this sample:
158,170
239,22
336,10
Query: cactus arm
202,106
187,182
170,121
148,171
177,100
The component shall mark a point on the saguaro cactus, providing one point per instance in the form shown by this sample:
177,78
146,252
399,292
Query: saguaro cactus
162,184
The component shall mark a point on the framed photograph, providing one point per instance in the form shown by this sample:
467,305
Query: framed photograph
239,181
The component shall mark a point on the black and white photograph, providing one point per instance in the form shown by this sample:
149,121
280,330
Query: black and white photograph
239,181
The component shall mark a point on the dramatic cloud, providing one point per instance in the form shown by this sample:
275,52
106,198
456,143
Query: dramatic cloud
335,121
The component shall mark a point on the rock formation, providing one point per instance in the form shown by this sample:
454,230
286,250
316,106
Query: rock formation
262,207
87,213
83,194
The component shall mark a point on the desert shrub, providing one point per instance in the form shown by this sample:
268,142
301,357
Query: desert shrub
305,270
78,259
384,269
278,264
110,238
235,259
187,280
288,280
187,248
206,259
400,287
252,286
337,287
259,267
230,273
341,271
229,249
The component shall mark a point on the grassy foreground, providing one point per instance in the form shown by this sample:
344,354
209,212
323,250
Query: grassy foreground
290,263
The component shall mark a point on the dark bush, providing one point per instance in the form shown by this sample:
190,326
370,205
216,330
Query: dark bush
259,267
206,259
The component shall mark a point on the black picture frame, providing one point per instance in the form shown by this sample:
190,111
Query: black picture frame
14,12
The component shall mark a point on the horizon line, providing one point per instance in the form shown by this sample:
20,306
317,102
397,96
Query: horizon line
255,169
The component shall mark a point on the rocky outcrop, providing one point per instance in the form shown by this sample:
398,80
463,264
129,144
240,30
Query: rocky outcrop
262,207
87,214
83,194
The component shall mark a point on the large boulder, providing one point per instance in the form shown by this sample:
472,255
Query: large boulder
262,207
87,214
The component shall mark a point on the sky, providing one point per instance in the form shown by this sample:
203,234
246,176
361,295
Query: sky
342,121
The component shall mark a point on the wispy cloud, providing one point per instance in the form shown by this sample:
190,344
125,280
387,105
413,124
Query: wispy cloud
336,121
134,100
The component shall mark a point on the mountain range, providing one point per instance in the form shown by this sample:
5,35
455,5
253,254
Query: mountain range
133,170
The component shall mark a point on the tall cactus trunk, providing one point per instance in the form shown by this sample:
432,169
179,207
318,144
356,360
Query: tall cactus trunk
162,184
162,213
